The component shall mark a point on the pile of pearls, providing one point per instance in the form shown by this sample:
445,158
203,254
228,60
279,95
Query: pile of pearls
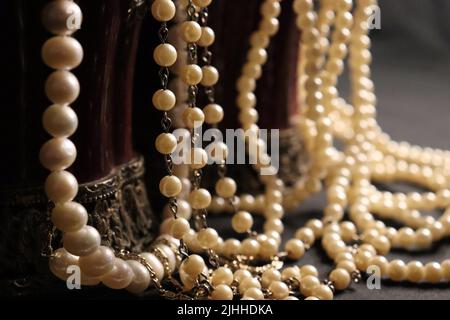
346,176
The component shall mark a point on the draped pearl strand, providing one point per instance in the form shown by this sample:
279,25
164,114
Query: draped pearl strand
369,155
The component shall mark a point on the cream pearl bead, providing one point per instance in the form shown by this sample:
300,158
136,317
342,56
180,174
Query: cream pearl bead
193,265
156,265
362,259
179,227
316,226
257,55
190,238
309,270
291,273
269,276
323,292
268,249
254,293
170,186
163,10
381,262
199,158
190,31
231,247
57,154
245,84
165,55
60,261
62,53
397,270
270,9
120,276
279,290
200,199
141,279
415,271
269,26
252,70
259,39
246,100
208,238
166,143
61,186
295,249
222,292
250,247
207,38
222,275
307,284
210,76
274,211
242,222
217,152
193,117
306,235
164,100
62,87
69,216
62,17
340,278
60,121
213,113
433,272
241,274
98,263
350,266
82,242
248,283
183,210
201,3
191,74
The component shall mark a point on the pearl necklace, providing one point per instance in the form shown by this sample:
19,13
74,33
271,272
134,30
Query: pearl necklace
369,155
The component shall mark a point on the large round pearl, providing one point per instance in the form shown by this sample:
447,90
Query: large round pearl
164,100
250,247
269,248
222,275
69,216
242,222
170,186
62,87
62,17
207,38
62,53
397,270
415,271
155,264
295,249
309,270
141,279
190,31
199,158
163,10
210,76
213,113
61,186
323,292
60,261
200,199
270,276
222,292
165,55
98,263
120,275
341,278
231,247
208,238
82,242
226,187
191,74
166,143
193,117
57,154
179,227
60,120
433,272
193,265
279,290
201,3
307,284
248,283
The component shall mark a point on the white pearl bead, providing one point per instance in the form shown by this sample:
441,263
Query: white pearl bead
62,87
60,261
57,154
141,278
60,121
98,263
61,186
69,216
82,242
155,264
120,275
62,53
62,17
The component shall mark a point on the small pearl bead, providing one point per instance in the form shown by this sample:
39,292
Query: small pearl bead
341,278
306,235
210,76
279,290
141,279
61,186
163,10
250,247
222,292
231,247
248,283
98,263
57,14
60,121
170,186
165,55
155,264
62,87
269,26
307,284
240,274
213,113
208,238
246,100
257,55
254,293
309,270
433,272
269,276
259,39
245,84
270,9
222,275
397,270
207,38
69,216
62,53
164,100
415,271
323,292
242,222
191,74
190,31
200,199
57,154
193,265
120,276
291,272
201,3
166,143
226,187
82,242
381,262
193,117
347,265
179,227
295,249
274,211
269,248
199,158
252,70
60,261
316,226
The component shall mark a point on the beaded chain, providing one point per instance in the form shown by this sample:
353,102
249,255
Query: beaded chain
328,35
